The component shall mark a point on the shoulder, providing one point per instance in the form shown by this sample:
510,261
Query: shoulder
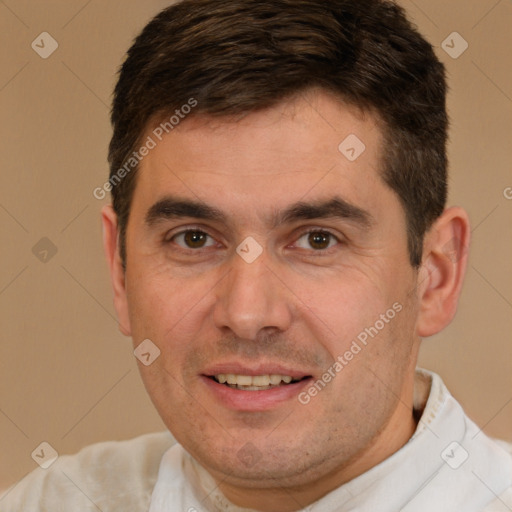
103,476
503,502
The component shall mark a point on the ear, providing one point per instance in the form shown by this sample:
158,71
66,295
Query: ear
445,254
117,274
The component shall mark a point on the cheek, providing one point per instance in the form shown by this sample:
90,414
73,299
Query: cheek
346,301
164,306
364,316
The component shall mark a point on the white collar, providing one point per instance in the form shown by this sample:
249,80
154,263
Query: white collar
426,474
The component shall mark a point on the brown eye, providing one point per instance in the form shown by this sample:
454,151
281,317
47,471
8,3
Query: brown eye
193,239
317,240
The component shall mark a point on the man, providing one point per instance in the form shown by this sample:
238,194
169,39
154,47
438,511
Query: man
279,245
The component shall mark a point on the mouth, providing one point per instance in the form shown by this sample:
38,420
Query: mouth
255,382
260,386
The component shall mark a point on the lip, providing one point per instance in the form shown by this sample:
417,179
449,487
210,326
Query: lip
254,401
254,370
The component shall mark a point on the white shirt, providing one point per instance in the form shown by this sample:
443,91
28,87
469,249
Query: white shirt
448,465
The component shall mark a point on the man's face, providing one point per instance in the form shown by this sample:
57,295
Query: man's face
326,262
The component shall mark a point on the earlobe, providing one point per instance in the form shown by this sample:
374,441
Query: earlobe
442,272
117,273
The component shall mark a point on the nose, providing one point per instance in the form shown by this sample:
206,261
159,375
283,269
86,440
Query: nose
252,299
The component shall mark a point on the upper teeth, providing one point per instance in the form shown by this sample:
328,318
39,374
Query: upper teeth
249,380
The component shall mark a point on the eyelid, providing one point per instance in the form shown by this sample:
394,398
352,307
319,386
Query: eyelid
184,228
318,230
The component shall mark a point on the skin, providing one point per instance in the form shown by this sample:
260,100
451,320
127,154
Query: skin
298,304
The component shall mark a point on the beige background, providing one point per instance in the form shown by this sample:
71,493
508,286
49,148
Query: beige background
68,376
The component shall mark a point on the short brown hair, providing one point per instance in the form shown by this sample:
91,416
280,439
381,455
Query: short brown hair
238,56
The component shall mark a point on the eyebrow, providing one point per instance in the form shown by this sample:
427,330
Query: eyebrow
174,208
332,208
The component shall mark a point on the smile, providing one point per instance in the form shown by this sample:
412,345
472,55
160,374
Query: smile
254,382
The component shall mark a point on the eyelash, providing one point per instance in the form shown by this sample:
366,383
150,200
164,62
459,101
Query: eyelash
319,252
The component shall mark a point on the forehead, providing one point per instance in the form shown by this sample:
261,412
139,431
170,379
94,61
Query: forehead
305,147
